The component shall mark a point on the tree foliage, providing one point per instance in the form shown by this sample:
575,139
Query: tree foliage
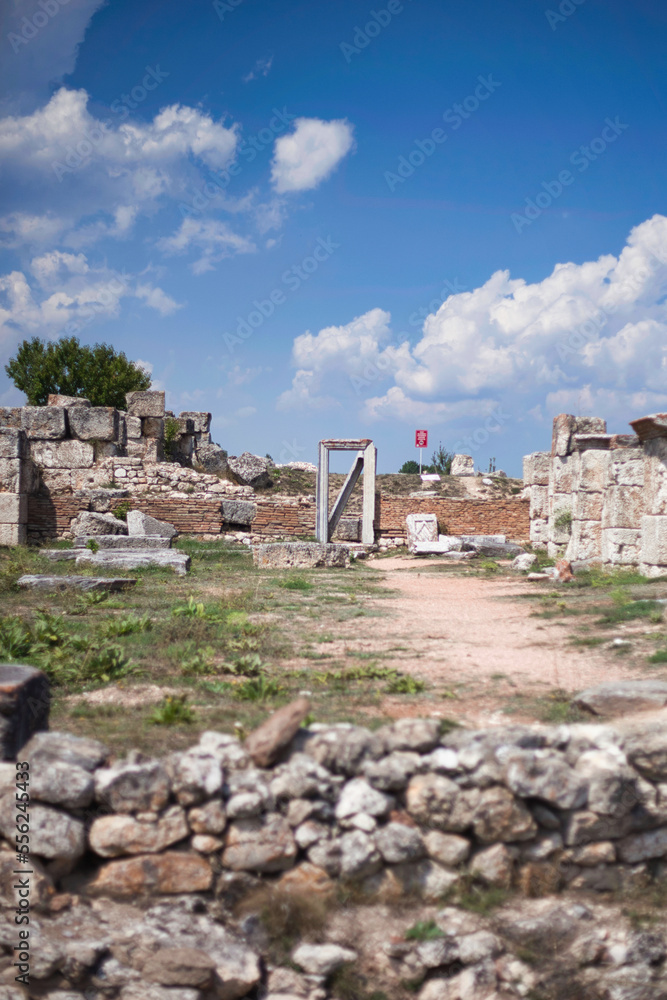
97,373
441,460
410,468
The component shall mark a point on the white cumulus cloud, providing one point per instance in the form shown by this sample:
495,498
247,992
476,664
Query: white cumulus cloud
211,237
589,337
309,154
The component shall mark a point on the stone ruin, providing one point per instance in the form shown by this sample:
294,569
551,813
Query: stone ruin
599,498
149,876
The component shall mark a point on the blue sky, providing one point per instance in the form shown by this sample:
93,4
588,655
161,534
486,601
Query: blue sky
347,220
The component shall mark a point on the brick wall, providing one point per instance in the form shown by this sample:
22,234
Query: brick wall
459,517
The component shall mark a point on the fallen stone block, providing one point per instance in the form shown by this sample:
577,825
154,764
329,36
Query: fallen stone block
435,548
484,539
53,583
623,697
300,555
349,529
91,523
77,751
251,470
136,559
524,562
44,422
24,706
59,555
462,465
139,523
94,423
211,457
652,426
265,743
54,399
499,550
420,528
145,404
238,511
123,542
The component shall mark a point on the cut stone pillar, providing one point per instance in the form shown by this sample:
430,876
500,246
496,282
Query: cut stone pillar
654,545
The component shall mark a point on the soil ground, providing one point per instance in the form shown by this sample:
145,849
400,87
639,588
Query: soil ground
473,643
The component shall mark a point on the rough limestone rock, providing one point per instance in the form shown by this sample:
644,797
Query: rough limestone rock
462,465
322,959
623,697
358,796
195,776
180,967
55,399
85,583
44,422
430,799
239,511
300,555
265,744
212,458
139,523
420,735
135,785
544,775
501,816
126,559
171,873
524,562
77,751
112,836
251,470
265,845
53,834
398,843
62,784
447,848
145,403
420,528
494,866
647,751
91,523
24,706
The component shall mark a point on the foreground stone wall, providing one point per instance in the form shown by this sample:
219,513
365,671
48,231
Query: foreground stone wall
601,498
402,810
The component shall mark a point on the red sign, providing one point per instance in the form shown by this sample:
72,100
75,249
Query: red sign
421,439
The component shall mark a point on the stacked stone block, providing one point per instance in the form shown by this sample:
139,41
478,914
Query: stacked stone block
14,487
536,471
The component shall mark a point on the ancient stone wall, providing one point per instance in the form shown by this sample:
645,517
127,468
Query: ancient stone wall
602,498
401,811
459,517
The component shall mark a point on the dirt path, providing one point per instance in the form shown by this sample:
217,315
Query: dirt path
467,635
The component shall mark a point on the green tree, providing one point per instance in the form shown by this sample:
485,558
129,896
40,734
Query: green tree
97,373
441,460
411,468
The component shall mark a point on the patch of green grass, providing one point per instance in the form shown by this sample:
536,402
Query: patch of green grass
173,711
660,656
481,899
405,684
296,583
260,688
627,611
586,641
127,626
423,930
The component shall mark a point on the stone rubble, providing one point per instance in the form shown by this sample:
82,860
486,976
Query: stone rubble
401,811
